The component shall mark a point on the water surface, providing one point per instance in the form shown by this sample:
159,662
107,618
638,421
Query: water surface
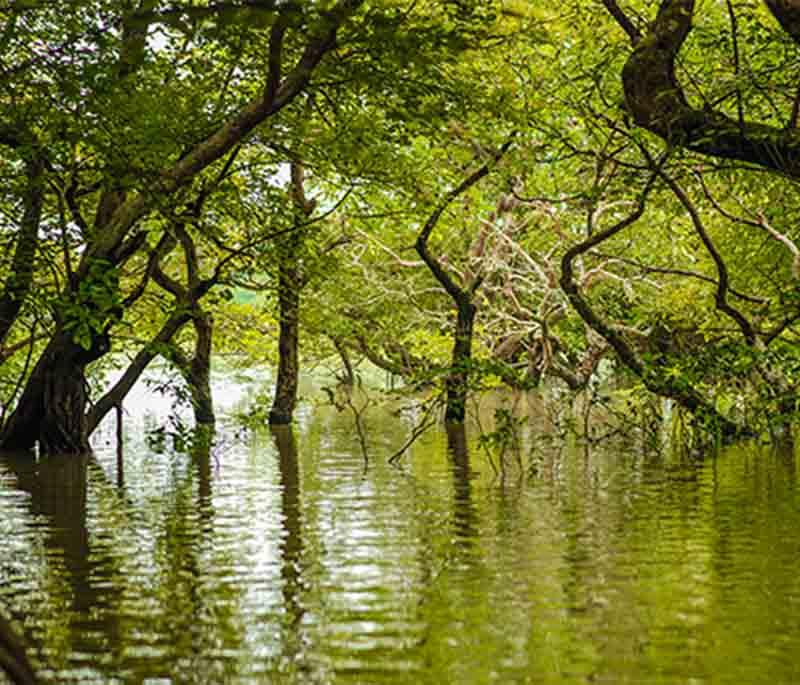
284,558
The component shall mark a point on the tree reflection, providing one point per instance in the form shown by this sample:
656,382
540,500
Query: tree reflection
58,488
290,509
464,514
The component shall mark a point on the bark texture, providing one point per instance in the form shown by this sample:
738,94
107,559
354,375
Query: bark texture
457,381
52,408
285,399
290,283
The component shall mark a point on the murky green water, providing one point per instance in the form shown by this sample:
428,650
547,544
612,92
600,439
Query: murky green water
272,560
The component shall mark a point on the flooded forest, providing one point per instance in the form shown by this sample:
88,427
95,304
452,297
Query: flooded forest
381,341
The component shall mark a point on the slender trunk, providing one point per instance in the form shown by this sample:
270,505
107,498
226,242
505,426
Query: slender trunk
289,308
348,376
199,372
19,280
457,383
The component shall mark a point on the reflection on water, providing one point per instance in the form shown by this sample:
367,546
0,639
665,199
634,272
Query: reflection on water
278,559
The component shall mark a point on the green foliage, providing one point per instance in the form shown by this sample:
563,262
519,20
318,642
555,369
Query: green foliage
95,306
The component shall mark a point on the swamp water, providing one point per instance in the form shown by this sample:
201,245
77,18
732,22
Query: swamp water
280,559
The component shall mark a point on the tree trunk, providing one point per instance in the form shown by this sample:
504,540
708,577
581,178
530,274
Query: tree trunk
199,371
289,309
52,408
19,280
457,383
348,376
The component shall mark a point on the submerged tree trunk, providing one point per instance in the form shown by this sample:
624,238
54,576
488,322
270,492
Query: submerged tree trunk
290,282
457,383
289,305
198,372
52,408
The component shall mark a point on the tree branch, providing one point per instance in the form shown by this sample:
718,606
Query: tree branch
453,289
723,277
623,20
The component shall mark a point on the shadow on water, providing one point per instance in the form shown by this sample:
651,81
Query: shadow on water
58,488
14,663
281,562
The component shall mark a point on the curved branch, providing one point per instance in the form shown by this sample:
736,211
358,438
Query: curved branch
122,387
723,277
453,289
654,381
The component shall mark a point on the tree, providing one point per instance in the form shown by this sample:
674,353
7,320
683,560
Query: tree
51,409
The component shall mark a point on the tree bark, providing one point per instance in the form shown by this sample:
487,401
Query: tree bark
457,382
288,364
348,376
19,280
200,371
51,410
197,370
657,102
290,283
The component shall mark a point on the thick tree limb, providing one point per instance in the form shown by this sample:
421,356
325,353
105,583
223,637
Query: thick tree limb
787,12
230,134
657,102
